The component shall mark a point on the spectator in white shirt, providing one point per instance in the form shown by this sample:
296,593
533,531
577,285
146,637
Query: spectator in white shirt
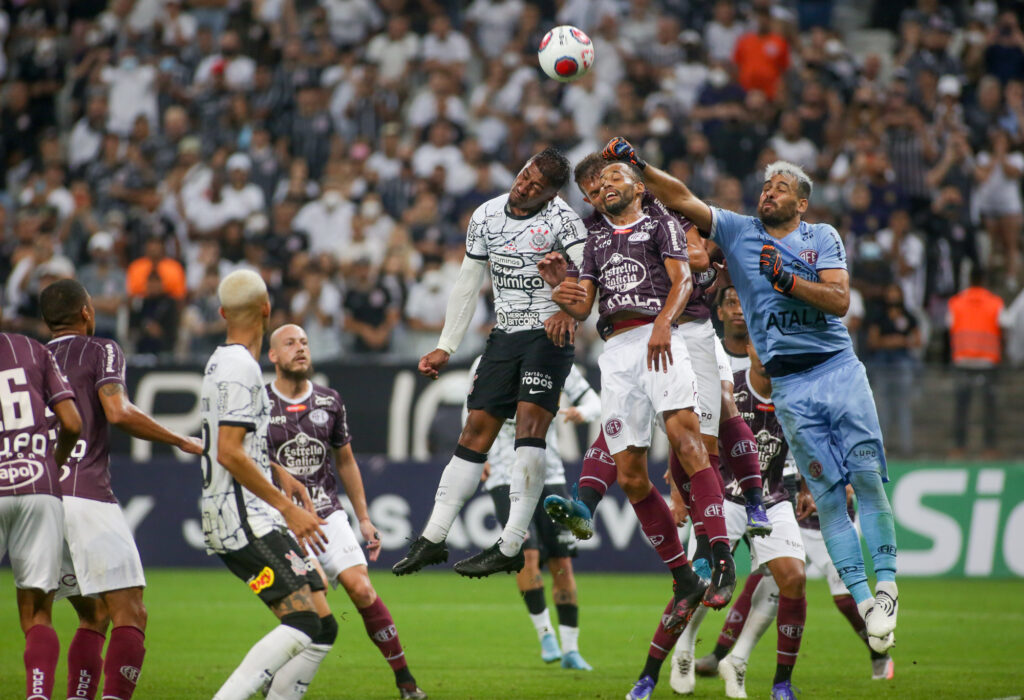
721,33
327,220
587,100
177,28
386,163
439,150
351,21
791,145
395,50
239,197
444,48
495,22
132,92
317,308
439,101
238,69
87,134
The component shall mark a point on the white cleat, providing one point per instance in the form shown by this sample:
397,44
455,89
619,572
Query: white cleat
683,680
734,673
883,669
881,618
881,645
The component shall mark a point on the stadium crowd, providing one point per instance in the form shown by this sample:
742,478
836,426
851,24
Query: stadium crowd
339,147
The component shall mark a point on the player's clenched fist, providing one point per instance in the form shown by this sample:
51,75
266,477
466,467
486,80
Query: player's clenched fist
771,267
621,149
433,362
569,292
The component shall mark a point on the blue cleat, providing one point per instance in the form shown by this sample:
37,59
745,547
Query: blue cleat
758,524
643,689
571,513
783,691
573,660
702,567
549,649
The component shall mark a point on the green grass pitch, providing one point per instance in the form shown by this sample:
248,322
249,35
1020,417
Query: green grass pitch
472,639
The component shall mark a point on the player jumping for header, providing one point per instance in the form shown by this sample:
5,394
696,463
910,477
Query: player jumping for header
791,279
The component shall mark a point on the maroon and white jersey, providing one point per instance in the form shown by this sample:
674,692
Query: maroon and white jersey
302,436
627,263
770,442
89,363
30,383
699,305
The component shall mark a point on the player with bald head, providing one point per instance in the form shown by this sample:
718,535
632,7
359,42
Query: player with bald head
310,439
246,518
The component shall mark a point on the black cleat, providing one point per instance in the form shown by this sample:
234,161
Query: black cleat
723,583
490,561
686,603
422,552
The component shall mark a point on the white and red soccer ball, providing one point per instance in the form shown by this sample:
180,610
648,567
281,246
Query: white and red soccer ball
565,53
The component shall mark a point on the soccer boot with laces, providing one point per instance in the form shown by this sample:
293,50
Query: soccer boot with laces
643,689
734,673
881,618
881,645
422,552
706,665
686,602
490,561
783,691
572,513
758,524
682,680
575,661
411,692
883,669
549,649
723,583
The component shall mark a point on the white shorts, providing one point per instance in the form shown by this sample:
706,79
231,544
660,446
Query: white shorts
343,548
819,563
31,533
99,551
725,373
700,343
784,541
632,396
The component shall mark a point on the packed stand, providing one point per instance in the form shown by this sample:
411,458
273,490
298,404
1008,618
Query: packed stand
339,148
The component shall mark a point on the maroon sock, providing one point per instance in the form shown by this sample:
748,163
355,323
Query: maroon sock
381,629
663,640
681,480
598,470
660,528
123,665
42,649
739,452
738,614
706,495
85,663
848,607
790,621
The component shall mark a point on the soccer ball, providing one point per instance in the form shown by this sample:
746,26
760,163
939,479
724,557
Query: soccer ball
565,53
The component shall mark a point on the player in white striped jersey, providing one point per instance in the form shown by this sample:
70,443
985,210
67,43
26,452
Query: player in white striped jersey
244,514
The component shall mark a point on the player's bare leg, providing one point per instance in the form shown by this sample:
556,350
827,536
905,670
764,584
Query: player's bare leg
459,481
380,627
532,422
85,654
42,648
530,583
563,591
683,428
300,624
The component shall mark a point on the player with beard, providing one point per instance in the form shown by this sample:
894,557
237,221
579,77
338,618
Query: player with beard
101,574
636,266
246,519
309,438
31,516
791,277
524,365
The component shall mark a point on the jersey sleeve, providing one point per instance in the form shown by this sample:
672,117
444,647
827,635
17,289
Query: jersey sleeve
571,230
239,402
726,226
56,387
110,368
476,238
340,434
589,269
831,251
671,239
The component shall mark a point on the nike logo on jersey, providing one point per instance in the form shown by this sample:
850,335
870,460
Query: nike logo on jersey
536,391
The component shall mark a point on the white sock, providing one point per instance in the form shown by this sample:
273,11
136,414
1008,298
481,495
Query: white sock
459,481
764,605
524,492
688,639
265,658
292,680
570,637
542,623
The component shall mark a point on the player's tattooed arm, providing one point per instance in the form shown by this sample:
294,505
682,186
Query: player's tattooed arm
352,480
831,294
70,428
120,411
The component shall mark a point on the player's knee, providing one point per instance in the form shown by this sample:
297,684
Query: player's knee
729,409
361,592
328,631
635,486
305,621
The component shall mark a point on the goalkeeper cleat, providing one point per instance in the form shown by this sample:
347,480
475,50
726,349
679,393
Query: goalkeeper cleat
574,660
490,561
643,689
881,645
881,618
682,680
758,524
549,649
572,513
422,552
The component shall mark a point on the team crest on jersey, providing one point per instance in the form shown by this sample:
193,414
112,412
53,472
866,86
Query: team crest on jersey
612,427
768,448
298,564
809,256
319,416
539,239
639,237
814,468
302,455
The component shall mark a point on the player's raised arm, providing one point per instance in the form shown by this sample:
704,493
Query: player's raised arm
672,192
352,480
120,411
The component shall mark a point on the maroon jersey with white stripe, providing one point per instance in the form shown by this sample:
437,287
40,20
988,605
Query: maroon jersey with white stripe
30,382
698,305
759,413
301,438
89,364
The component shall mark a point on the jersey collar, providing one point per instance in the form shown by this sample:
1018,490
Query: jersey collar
286,399
631,224
753,391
